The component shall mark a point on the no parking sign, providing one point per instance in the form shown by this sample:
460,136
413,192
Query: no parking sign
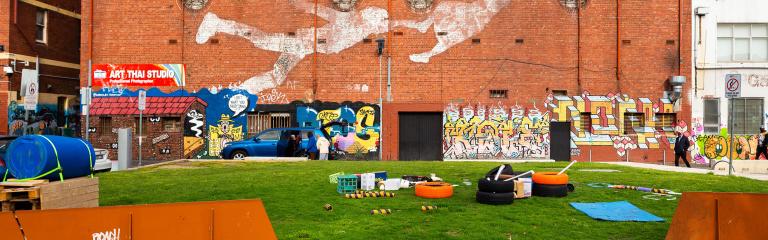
732,85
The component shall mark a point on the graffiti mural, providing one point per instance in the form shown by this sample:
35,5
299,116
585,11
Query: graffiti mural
343,30
346,26
716,147
48,119
206,130
607,120
359,132
495,132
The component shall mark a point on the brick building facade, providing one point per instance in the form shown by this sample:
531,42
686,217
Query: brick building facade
496,72
40,33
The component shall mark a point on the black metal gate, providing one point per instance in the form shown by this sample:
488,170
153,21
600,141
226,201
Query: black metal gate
560,141
421,136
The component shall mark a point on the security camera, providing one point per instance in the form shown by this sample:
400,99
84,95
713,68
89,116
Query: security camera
8,70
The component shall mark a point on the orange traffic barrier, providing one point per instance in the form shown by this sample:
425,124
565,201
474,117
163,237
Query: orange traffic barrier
550,178
706,215
240,219
434,190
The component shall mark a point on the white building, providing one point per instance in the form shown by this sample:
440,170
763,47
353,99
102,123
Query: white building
730,37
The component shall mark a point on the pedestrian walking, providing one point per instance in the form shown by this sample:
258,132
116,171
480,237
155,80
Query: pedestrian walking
311,146
322,146
762,144
681,149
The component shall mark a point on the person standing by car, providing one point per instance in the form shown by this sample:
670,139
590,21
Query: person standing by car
298,150
311,146
322,145
290,147
681,149
762,144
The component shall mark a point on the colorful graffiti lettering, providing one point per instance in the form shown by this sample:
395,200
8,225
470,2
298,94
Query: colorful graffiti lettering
716,147
359,130
470,135
606,116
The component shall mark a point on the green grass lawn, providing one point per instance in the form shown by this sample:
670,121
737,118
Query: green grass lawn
294,195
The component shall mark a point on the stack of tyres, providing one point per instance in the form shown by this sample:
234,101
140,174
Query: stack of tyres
549,184
495,192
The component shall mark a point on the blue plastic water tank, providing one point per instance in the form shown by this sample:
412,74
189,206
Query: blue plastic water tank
33,155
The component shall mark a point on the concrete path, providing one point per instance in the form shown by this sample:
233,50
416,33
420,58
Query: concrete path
762,177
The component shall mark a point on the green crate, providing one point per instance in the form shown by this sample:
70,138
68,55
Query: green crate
346,184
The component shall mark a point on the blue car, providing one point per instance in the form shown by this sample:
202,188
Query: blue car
271,143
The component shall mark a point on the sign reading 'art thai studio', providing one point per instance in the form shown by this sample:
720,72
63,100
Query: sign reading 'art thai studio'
138,75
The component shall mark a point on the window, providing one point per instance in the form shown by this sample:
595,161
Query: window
41,26
665,120
258,122
712,116
498,93
742,42
105,126
172,124
747,115
273,135
586,122
560,93
633,120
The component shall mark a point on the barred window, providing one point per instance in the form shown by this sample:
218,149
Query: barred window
747,115
633,120
105,126
712,116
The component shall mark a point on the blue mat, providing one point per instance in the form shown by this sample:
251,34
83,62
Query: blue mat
621,211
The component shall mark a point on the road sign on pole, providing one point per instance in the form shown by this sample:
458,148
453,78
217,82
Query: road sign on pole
732,90
142,100
732,85
142,106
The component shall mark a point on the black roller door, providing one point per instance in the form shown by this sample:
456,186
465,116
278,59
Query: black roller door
560,141
421,136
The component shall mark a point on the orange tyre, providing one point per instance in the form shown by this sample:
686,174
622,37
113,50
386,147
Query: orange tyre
434,190
550,178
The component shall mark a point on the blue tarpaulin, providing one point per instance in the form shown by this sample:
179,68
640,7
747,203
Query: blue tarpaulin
621,211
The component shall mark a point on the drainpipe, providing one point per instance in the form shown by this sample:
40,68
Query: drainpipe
578,46
618,45
680,37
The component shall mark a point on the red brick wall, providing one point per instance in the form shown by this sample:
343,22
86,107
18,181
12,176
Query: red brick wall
151,152
17,33
548,58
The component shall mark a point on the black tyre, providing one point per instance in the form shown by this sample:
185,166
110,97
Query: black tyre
507,170
546,190
491,186
238,155
494,198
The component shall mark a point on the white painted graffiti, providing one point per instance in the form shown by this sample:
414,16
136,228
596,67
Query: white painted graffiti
273,97
756,80
195,119
453,23
343,30
160,138
114,234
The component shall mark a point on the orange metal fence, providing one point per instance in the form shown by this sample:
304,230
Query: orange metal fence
231,220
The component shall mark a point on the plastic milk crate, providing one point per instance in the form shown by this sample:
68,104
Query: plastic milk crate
347,184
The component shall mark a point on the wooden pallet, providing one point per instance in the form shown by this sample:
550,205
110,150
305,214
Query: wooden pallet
20,204
41,194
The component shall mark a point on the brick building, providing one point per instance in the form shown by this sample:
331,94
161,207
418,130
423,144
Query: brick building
459,79
40,35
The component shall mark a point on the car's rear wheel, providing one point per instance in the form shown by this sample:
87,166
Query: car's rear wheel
239,154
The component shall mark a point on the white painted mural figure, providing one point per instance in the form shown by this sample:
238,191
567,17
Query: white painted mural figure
343,30
454,22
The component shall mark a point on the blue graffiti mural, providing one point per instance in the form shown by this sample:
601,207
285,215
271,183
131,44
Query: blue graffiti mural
205,133
358,135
